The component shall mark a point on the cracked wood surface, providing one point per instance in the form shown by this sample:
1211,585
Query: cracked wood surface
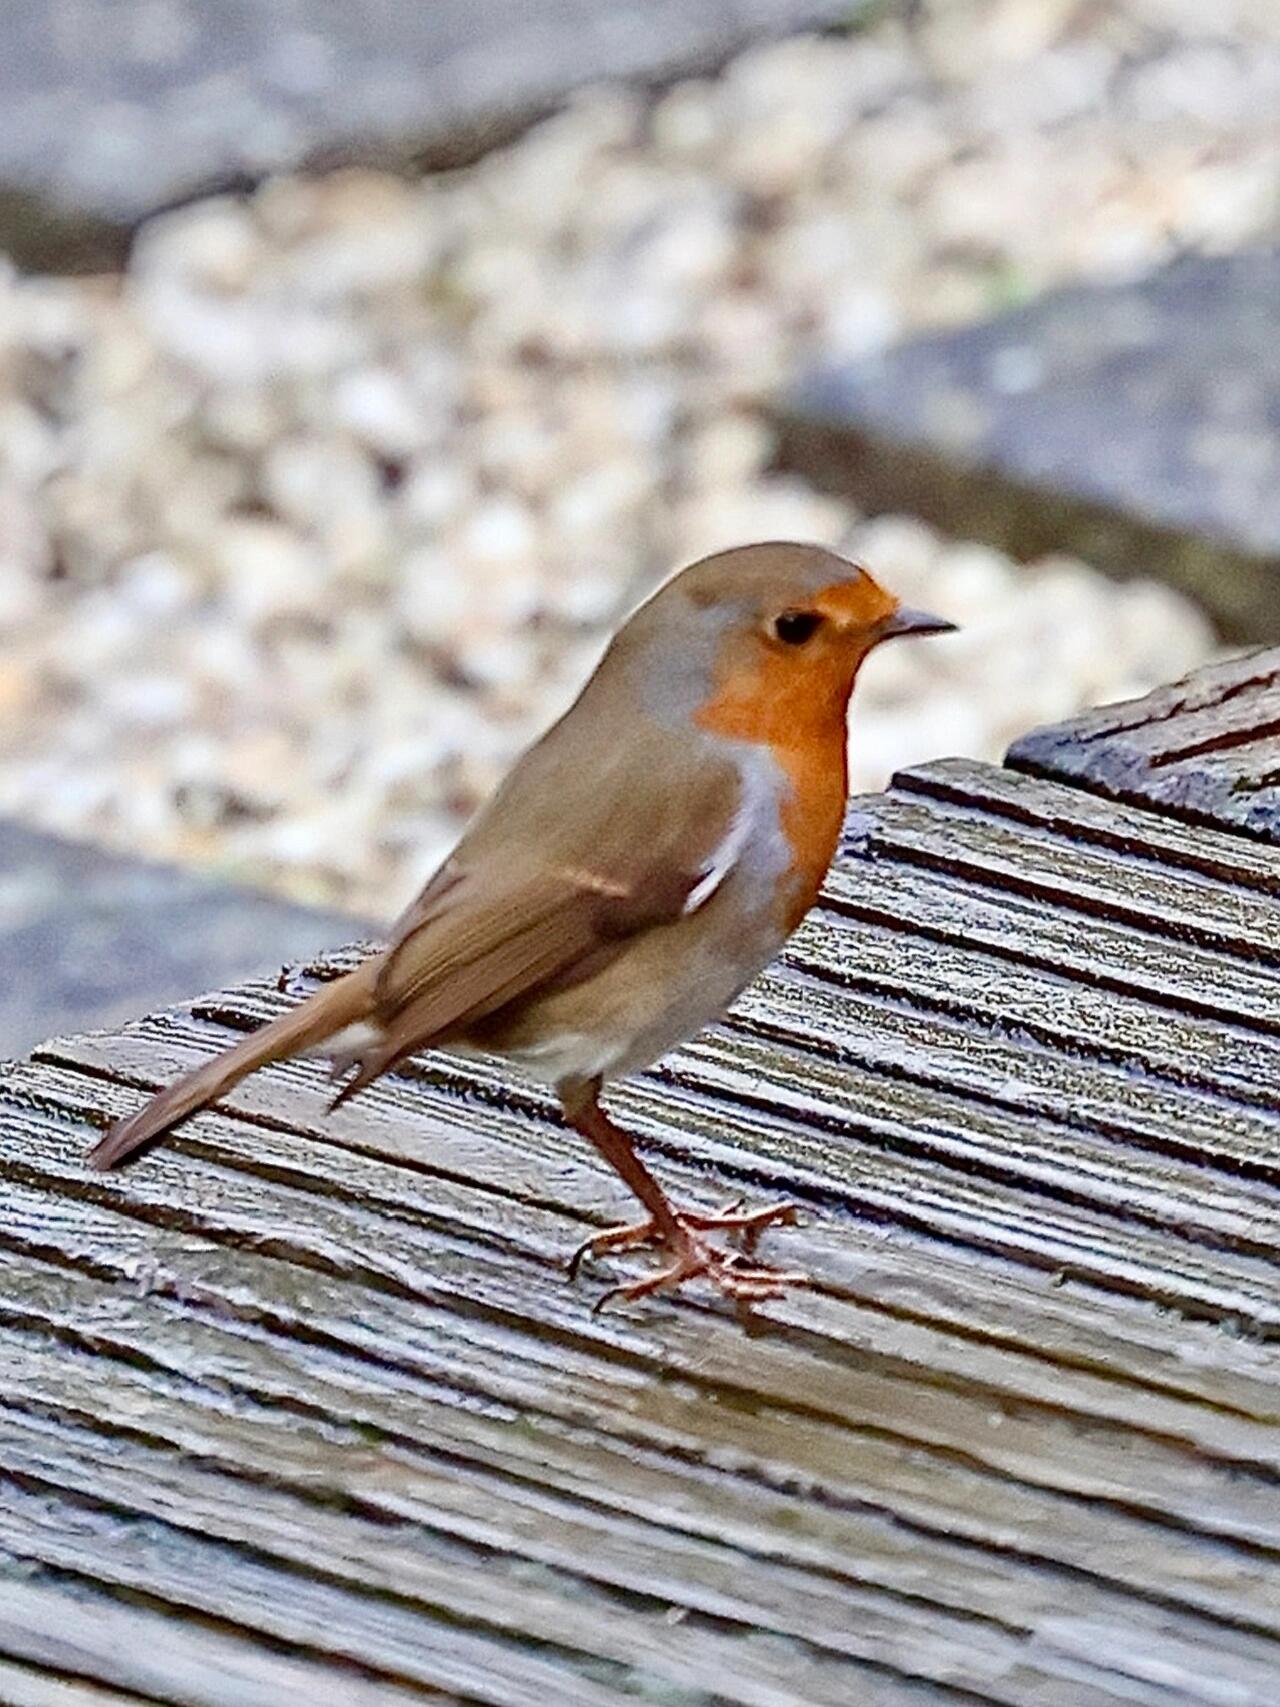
303,1408
1206,749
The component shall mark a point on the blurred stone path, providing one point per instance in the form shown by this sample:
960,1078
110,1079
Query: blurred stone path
88,939
111,109
1137,426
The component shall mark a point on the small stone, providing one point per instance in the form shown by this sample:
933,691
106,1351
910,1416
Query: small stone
729,450
433,600
500,530
378,407
268,571
157,585
318,482
434,493
686,122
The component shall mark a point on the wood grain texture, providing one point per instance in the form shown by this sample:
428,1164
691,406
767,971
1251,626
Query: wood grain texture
1206,749
310,1395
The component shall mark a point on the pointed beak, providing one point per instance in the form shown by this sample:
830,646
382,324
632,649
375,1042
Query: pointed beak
907,621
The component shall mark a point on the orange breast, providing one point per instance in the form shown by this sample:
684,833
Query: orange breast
811,755
812,813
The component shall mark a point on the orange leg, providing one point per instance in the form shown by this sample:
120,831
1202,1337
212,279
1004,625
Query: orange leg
673,1230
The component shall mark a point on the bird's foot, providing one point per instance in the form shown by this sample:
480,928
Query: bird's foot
732,1272
745,1225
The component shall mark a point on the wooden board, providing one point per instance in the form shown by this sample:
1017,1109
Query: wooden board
304,1408
1206,749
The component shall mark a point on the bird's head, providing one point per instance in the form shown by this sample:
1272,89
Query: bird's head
764,637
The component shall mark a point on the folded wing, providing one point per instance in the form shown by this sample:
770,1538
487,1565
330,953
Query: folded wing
488,932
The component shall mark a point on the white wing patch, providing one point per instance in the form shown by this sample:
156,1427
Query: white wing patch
582,878
730,850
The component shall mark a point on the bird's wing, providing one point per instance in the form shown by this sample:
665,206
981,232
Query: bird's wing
502,920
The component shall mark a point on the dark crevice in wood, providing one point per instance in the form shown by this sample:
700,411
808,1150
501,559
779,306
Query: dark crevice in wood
60,1678
1062,898
1179,1002
1102,788
937,783
39,1570
1226,740
1022,1030
1139,714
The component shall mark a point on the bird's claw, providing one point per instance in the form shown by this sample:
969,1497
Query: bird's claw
745,1225
731,1272
728,1271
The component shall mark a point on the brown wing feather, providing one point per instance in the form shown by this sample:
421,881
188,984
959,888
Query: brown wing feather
486,933
482,951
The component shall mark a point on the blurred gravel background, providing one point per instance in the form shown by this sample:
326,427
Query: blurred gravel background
315,516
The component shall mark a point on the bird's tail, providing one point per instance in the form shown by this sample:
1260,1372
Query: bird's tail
330,1010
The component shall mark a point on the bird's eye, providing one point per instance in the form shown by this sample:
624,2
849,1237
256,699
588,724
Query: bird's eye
794,627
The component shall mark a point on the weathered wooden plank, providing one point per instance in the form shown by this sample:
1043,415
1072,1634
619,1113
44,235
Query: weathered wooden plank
337,1353
434,1120
810,1529
420,1333
1149,901
929,1051
373,1591
1070,1015
382,1548
1068,1095
1234,726
670,1527
1206,749
883,1265
61,1622
496,1150
825,1014
794,1155
1233,1213
1028,930
1083,1179
190,1572
895,1350
1087,1379
25,1686
1076,817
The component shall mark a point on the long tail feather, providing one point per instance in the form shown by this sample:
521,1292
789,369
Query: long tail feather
323,1014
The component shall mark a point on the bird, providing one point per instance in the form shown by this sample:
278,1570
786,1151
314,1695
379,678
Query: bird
639,865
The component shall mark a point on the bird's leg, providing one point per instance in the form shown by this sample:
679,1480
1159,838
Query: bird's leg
670,1228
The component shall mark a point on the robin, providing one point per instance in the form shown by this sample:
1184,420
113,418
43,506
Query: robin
641,863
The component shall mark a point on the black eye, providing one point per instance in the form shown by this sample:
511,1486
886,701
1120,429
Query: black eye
794,627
